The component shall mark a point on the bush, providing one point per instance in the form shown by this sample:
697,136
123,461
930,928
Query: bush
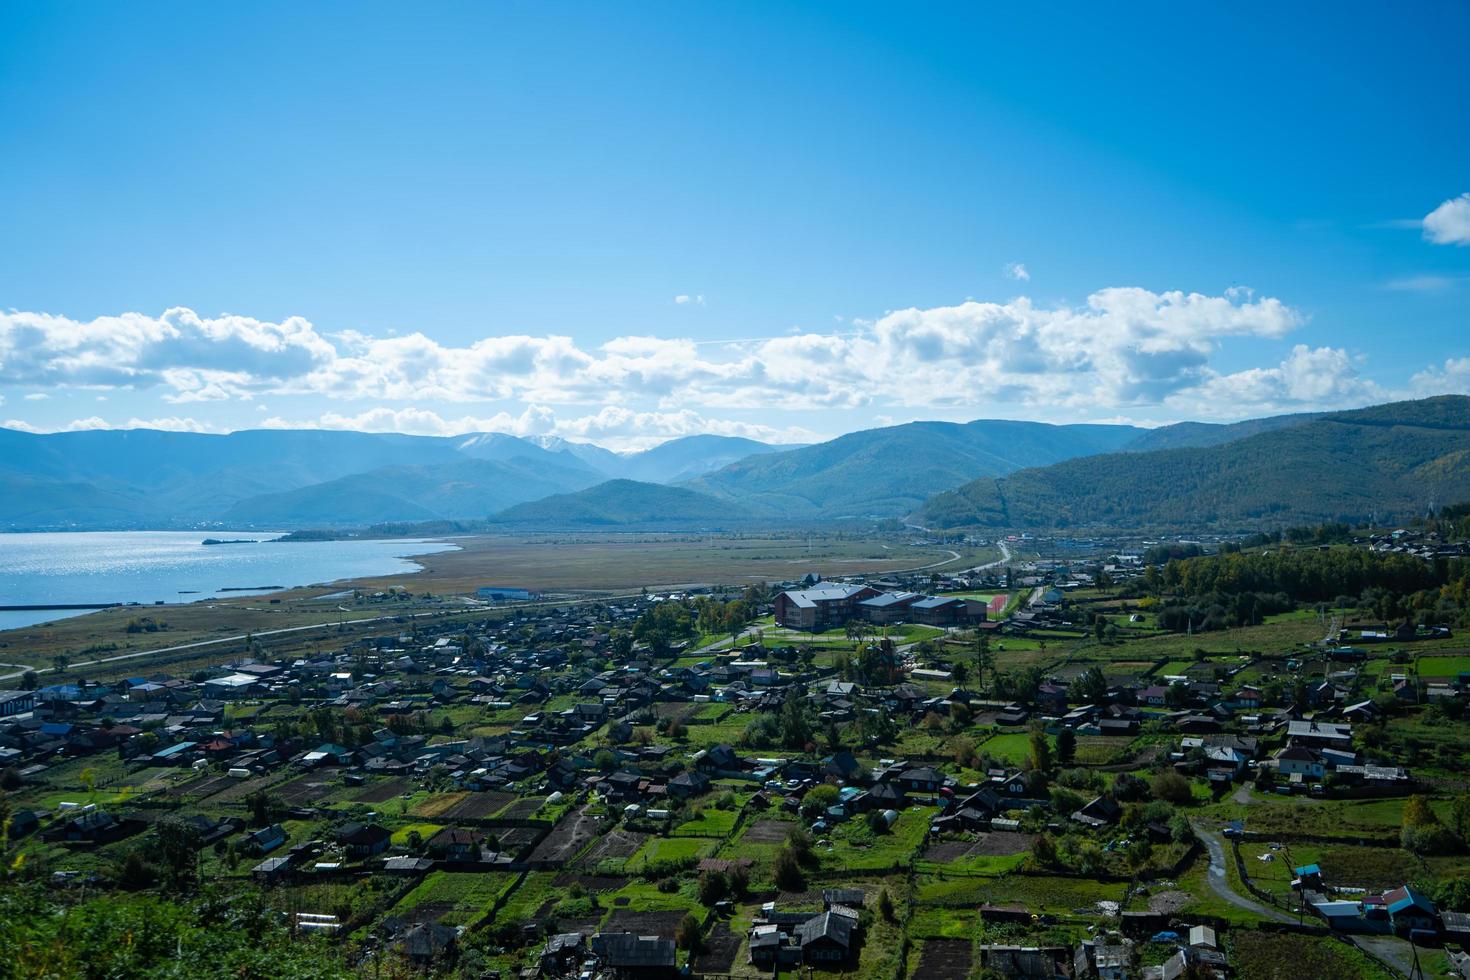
1171,787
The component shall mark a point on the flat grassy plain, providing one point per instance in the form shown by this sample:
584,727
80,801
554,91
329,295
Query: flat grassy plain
589,565
631,561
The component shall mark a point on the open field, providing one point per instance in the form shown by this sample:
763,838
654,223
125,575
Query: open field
581,563
630,561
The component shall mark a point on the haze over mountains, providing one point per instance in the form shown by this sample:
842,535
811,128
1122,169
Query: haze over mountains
1393,459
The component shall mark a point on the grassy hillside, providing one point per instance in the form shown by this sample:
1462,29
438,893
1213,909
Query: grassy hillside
618,502
1393,460
888,472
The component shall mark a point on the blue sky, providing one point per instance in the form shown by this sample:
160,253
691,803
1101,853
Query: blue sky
625,222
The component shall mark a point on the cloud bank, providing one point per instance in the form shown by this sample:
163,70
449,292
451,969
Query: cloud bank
1124,348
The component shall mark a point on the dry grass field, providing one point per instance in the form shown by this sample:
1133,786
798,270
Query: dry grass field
613,561
566,565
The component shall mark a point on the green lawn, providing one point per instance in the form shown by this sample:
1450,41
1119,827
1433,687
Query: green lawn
660,849
1012,748
710,823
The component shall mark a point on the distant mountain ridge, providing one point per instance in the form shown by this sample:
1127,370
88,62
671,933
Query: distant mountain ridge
989,472
111,478
888,472
1394,461
624,503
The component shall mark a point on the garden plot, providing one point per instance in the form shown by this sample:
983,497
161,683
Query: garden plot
478,806
662,924
308,789
945,959
768,832
617,844
522,809
382,792
570,835
721,947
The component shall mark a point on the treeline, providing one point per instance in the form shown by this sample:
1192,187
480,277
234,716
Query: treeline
1239,588
1304,574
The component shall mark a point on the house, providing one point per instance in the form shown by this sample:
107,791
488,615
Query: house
1297,760
825,938
265,840
1408,911
1248,699
361,840
562,953
16,702
271,870
843,766
1311,732
1100,812
924,779
426,941
1026,961
629,955
456,844
688,784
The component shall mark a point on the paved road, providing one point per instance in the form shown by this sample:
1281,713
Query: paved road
1219,881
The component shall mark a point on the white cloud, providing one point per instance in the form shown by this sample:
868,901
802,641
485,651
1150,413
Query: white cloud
684,299
1017,270
1423,283
1449,224
37,396
1451,378
1308,378
1124,347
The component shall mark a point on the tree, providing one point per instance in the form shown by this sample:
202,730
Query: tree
713,887
688,935
29,681
1460,816
960,672
177,843
60,662
663,626
1044,851
1040,750
817,799
1066,746
787,871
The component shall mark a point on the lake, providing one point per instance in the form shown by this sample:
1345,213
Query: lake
175,566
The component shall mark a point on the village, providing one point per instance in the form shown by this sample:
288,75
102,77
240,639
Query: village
954,776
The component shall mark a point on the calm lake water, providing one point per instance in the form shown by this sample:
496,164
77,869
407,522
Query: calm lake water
175,566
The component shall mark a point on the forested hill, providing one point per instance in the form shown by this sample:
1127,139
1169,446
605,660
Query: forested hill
888,472
625,502
1393,460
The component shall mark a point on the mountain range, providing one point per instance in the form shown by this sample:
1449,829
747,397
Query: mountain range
299,478
1391,461
1394,459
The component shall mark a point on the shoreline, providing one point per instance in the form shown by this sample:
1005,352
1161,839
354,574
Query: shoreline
225,596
